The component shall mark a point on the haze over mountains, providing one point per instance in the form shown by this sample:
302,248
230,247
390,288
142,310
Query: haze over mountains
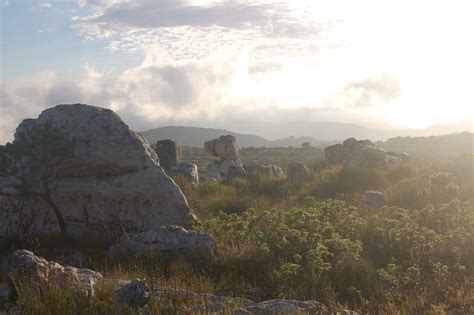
283,134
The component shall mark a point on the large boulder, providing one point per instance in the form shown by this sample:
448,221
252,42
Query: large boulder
171,239
225,147
111,183
169,153
365,156
37,275
297,173
217,170
188,170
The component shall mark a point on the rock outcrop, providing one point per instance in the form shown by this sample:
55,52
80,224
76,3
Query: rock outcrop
174,239
235,172
169,153
226,148
357,154
137,293
36,274
297,173
111,183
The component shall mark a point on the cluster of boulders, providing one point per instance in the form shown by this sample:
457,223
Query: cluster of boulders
359,154
34,275
169,154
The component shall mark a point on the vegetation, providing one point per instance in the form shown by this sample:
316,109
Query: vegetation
318,241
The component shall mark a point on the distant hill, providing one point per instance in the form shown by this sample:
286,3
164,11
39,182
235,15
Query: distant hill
433,147
196,136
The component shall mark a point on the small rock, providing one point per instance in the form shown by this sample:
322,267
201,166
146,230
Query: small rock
297,173
169,153
135,293
375,199
187,170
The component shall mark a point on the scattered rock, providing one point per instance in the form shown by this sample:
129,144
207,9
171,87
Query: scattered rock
39,275
357,154
174,239
282,306
225,147
187,170
267,171
235,172
135,293
217,170
297,173
169,153
112,182
375,199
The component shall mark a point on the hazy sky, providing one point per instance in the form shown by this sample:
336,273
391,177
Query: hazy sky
376,63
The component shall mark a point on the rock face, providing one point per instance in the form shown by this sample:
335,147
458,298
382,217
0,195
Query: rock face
169,153
38,275
297,173
187,170
112,183
357,154
173,239
225,147
374,199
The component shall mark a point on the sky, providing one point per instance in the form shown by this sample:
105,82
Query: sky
376,63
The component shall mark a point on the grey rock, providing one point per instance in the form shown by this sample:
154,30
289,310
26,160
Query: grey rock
217,170
375,199
174,239
267,171
39,274
365,156
188,170
224,147
297,173
169,153
235,172
283,306
135,293
112,183
6,296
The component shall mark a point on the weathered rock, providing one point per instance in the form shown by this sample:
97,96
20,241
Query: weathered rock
135,293
297,173
375,199
267,171
235,172
224,147
216,170
187,170
174,239
103,143
112,182
169,153
37,275
405,157
392,160
282,306
335,154
365,156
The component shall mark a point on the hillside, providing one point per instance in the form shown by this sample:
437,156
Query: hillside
196,136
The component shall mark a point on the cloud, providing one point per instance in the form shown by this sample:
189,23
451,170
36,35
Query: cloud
372,91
